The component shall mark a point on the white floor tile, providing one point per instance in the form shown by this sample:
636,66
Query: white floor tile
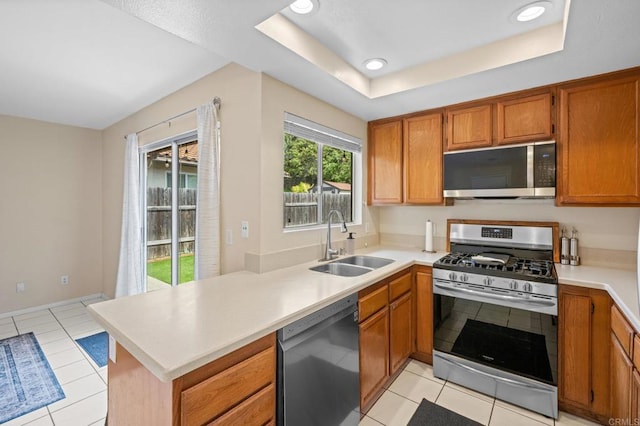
368,421
51,336
29,417
35,314
83,412
69,313
392,410
40,328
415,387
78,319
84,329
8,334
535,416
104,373
422,369
66,307
92,301
74,371
63,358
57,346
465,404
503,417
6,320
8,329
36,320
98,423
42,421
79,390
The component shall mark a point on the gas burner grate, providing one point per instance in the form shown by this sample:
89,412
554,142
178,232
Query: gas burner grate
516,267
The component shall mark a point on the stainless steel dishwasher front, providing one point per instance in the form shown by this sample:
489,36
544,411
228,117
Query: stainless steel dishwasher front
319,368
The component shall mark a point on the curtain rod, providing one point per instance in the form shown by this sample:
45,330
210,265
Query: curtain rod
217,102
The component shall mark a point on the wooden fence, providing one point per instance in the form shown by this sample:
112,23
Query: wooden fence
159,221
302,208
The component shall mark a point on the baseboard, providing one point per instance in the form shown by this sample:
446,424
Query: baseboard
53,305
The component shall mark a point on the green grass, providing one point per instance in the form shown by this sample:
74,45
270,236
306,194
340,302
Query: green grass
161,269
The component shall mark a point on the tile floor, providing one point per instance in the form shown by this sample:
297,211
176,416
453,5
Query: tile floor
83,382
85,386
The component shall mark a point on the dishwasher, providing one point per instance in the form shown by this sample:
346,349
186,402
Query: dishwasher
319,368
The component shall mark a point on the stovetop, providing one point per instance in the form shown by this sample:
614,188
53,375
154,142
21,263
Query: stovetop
538,270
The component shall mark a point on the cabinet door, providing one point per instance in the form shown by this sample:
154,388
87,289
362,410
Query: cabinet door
524,120
422,147
599,147
401,331
469,128
635,395
584,354
374,357
424,313
385,163
575,349
621,374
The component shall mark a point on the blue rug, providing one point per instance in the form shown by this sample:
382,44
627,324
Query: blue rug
26,379
97,346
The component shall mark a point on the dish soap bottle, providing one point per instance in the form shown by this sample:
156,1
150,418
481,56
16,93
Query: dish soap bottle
351,244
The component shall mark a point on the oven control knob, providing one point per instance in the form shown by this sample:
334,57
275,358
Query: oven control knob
528,287
464,278
513,285
452,276
487,281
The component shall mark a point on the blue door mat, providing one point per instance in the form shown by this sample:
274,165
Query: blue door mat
97,346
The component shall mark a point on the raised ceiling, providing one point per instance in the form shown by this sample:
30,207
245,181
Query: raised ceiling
91,63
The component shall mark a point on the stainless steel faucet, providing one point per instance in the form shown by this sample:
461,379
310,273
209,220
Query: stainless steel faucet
330,253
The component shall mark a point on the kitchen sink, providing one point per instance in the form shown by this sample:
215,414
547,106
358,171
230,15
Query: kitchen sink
352,266
366,261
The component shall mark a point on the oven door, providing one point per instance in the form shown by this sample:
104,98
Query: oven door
519,338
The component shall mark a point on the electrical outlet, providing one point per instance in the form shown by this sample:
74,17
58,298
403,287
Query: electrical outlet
244,229
229,237
21,287
64,279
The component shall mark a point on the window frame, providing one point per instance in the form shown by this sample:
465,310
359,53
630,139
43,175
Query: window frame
324,136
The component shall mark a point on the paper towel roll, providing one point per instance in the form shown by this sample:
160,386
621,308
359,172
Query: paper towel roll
428,236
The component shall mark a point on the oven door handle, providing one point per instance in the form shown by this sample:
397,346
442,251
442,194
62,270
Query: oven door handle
497,296
496,378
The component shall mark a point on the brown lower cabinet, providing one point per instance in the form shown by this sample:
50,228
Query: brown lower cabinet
625,362
238,388
385,312
583,351
423,296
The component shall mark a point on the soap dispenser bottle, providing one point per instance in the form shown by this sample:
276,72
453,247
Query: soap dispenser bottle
351,244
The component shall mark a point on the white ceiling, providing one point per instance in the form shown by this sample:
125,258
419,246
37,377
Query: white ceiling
91,63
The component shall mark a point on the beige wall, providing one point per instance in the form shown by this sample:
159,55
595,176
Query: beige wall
51,214
239,90
604,228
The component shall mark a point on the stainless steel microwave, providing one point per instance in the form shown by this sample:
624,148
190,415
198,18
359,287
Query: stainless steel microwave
527,170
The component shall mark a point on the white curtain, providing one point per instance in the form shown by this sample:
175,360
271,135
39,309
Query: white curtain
207,245
129,280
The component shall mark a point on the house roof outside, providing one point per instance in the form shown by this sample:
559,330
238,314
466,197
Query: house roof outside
341,186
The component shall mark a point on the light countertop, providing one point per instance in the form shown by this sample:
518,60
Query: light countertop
174,331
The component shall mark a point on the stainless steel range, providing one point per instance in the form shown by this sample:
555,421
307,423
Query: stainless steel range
495,313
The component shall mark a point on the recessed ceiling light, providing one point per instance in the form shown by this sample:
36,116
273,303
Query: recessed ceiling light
374,64
531,11
302,7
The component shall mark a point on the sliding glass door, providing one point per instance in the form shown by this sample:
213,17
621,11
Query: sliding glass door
170,211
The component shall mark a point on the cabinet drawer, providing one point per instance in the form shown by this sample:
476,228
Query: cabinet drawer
256,410
372,302
622,330
399,286
214,396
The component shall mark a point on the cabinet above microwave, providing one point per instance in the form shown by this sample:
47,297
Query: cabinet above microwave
527,170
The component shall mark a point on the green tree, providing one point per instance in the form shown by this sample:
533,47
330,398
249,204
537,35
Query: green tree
336,165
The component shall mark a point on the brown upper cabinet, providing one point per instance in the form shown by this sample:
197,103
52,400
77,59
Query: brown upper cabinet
524,119
598,155
385,163
469,127
405,160
507,120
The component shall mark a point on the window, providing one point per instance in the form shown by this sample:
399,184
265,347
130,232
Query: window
185,180
321,173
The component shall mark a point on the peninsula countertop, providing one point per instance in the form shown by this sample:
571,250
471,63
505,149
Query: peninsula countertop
175,331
